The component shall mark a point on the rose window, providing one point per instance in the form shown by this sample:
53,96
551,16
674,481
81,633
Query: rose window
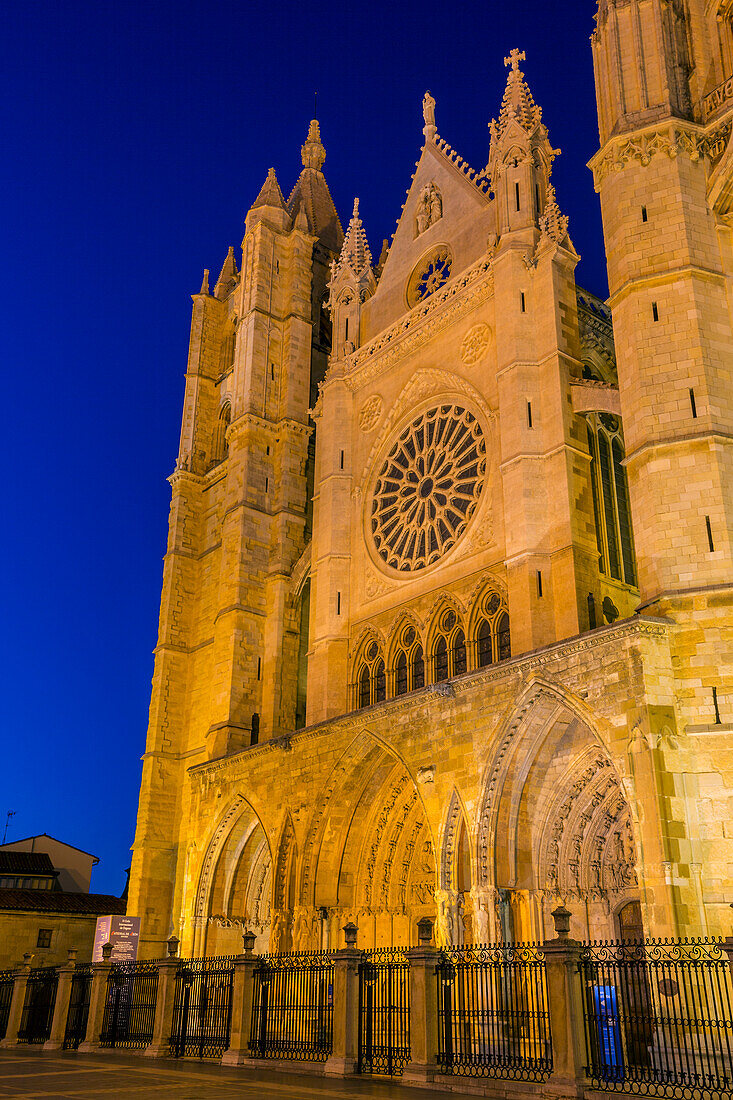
429,275
428,488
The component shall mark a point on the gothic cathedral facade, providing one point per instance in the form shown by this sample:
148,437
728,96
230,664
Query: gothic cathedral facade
446,626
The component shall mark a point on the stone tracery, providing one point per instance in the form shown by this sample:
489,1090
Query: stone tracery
428,488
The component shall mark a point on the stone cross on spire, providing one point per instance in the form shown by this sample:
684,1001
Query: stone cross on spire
514,58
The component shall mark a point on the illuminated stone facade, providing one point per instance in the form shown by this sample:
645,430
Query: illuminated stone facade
412,660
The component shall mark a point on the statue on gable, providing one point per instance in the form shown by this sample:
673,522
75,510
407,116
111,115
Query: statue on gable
423,211
428,110
436,204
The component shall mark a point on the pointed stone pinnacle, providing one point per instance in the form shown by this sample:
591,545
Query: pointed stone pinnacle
355,251
228,272
205,282
270,193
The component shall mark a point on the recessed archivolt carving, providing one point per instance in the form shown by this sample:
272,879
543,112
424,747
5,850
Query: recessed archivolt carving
448,851
286,852
540,703
213,851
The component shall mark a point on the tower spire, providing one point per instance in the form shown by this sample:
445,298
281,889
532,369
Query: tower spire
312,152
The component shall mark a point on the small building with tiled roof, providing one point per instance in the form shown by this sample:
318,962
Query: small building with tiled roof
45,904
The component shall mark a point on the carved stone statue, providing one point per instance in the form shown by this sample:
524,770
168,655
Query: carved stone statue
423,211
436,205
428,110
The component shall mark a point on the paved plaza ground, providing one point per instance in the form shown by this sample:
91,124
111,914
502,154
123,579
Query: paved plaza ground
30,1073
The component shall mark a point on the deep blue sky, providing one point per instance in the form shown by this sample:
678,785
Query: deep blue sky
135,135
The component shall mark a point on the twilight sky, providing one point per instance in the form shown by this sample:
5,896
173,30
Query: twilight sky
135,136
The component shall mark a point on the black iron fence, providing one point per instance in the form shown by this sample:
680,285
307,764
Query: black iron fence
658,1018
6,995
40,998
384,1011
493,1016
292,1009
202,1007
76,1021
129,1010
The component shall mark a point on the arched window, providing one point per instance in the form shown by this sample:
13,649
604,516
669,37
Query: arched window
407,668
371,680
226,361
484,654
503,638
364,687
440,659
449,656
380,682
220,449
401,673
459,652
418,668
609,486
492,638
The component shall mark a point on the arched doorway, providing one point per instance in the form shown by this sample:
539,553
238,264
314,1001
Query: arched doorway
554,826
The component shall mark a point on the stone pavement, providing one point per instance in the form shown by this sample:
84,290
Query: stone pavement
29,1074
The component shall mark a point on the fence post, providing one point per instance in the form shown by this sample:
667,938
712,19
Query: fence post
422,1067
565,1006
17,1001
728,948
160,1045
97,1002
344,1057
237,1053
56,1036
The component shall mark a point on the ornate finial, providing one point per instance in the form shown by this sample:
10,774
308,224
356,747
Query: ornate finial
312,153
428,114
553,223
356,209
205,282
514,58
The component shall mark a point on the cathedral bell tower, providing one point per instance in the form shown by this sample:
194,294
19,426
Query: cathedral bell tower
664,175
669,268
352,283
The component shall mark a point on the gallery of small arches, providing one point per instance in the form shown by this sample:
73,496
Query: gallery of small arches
453,643
382,849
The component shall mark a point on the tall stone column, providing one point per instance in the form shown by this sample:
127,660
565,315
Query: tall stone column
159,1047
422,1067
97,1001
17,1001
55,1039
237,1053
565,1006
344,1059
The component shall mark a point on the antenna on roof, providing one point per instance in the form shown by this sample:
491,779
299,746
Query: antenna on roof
11,813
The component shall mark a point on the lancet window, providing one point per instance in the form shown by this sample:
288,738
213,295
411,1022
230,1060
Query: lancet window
220,449
610,493
448,648
452,647
371,677
491,635
409,662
